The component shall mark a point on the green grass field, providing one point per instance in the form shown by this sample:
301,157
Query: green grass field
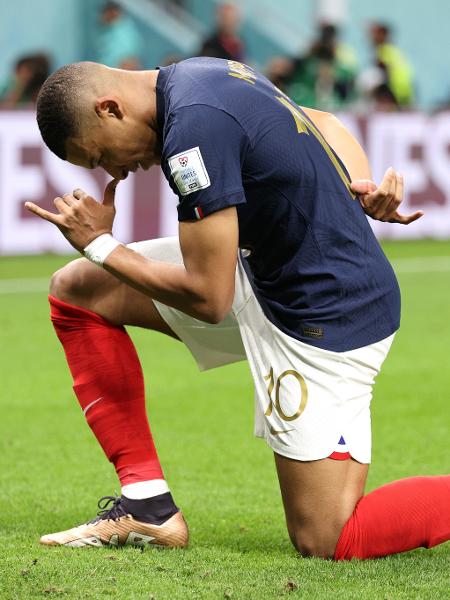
52,471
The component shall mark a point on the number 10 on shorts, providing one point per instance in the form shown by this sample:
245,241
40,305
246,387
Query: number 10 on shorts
276,383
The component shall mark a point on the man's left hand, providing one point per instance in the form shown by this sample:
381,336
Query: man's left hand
381,203
80,218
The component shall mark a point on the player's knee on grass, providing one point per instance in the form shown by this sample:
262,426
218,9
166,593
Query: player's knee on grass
313,542
316,533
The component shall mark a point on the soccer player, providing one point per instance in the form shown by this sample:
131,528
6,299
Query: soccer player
275,262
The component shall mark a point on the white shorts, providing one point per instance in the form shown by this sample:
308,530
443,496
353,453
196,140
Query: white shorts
309,403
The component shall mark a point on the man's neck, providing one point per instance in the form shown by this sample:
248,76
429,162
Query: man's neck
140,89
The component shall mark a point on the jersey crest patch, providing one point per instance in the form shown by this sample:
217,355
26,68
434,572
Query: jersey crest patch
188,171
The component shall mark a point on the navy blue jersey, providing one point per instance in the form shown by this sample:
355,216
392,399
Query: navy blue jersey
230,138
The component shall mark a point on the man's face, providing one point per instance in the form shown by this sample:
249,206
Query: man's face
117,145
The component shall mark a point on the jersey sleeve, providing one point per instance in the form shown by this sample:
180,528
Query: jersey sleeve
202,158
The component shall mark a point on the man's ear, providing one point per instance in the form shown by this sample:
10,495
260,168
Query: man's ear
109,106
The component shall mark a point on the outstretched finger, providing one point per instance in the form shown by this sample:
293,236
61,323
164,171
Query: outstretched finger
406,219
44,214
110,192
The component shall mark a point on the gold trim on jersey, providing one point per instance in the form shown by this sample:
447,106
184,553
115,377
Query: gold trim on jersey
305,125
241,71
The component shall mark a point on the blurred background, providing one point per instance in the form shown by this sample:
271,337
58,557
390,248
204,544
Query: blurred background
382,66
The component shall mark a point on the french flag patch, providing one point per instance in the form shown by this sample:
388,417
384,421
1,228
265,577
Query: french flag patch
341,452
198,212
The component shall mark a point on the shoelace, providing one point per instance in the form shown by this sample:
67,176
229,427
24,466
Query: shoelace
114,512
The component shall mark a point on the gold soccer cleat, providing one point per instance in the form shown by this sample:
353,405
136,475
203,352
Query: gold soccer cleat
114,527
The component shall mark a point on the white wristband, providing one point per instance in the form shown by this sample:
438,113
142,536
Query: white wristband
100,248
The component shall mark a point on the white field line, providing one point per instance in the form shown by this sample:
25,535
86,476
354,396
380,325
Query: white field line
24,286
423,264
432,264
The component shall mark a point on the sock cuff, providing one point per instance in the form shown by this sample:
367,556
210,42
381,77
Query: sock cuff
62,313
145,489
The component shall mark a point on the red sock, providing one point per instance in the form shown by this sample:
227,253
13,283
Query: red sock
109,384
397,517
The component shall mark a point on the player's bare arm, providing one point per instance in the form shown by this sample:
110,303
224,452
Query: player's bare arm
379,202
203,287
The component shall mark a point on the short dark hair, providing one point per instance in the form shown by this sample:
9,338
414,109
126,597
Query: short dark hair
58,105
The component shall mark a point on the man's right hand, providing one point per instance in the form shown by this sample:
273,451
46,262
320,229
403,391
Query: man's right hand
381,203
80,218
